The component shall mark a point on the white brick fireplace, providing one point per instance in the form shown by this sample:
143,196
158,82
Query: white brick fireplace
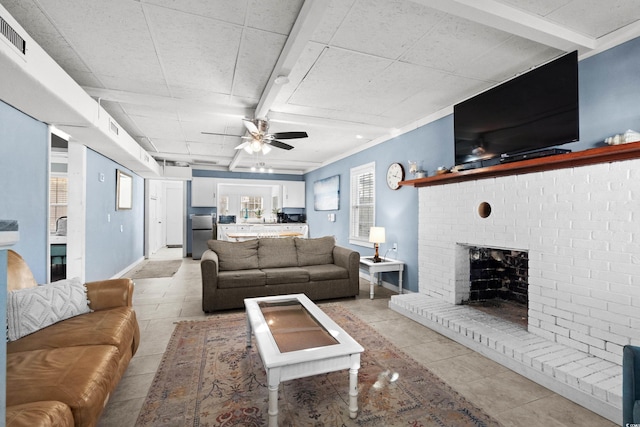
581,229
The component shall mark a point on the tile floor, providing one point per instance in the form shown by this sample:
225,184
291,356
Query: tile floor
508,397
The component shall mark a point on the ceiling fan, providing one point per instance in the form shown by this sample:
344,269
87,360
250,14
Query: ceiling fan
261,141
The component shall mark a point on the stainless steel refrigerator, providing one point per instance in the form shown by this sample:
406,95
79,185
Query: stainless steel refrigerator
201,232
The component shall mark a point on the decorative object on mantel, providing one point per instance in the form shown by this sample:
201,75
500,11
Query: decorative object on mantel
376,236
442,170
416,169
625,138
604,154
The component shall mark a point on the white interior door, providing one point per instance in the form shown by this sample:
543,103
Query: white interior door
174,214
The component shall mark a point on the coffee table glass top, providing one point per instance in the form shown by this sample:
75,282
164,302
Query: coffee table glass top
292,326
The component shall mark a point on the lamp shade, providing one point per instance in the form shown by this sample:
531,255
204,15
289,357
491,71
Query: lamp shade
376,235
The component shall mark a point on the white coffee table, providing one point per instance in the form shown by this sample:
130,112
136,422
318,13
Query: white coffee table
311,344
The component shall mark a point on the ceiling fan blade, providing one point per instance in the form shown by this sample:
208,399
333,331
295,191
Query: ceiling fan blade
251,127
220,134
289,135
279,144
241,146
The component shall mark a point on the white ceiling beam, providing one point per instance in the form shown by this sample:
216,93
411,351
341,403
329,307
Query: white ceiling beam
306,23
168,103
515,21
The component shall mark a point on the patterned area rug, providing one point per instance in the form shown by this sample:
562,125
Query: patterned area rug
209,378
155,269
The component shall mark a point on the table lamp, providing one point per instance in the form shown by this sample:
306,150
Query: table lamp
376,236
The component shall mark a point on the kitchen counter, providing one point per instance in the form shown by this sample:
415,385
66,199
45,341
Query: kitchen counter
253,230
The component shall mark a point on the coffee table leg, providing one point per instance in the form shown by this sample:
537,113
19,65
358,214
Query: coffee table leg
353,392
273,405
248,332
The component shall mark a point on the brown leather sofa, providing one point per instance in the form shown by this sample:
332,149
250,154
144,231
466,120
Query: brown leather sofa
63,375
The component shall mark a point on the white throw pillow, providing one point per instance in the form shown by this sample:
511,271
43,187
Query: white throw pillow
31,309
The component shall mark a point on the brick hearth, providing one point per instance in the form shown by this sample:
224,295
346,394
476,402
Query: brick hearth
579,227
587,380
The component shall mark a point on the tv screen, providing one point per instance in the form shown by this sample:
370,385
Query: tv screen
535,110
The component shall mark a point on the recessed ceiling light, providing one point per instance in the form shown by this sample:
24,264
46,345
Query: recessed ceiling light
359,136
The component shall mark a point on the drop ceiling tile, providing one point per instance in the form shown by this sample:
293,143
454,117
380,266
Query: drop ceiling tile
134,84
212,149
453,43
29,15
108,43
148,111
336,78
385,28
196,52
595,17
222,10
537,7
331,20
170,146
515,56
275,16
155,128
257,57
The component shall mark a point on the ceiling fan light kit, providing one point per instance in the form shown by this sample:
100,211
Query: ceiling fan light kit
261,141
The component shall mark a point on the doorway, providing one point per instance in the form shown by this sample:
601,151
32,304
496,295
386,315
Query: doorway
166,223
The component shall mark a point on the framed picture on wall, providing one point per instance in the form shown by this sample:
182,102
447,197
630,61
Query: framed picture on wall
326,194
124,190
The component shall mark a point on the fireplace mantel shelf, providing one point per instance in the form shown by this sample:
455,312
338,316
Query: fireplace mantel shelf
561,161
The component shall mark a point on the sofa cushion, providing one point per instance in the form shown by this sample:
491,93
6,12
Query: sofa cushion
31,309
241,279
115,327
235,255
80,377
326,272
274,253
280,276
41,414
315,251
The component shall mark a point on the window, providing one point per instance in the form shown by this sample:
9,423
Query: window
251,207
57,201
362,204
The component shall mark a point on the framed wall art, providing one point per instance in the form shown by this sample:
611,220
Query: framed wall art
326,194
124,190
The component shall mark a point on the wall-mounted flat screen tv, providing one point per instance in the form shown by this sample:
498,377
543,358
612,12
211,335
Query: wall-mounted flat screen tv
535,110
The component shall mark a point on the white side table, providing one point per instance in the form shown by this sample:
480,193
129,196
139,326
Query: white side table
386,265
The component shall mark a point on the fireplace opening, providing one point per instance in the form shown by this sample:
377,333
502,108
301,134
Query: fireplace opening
498,281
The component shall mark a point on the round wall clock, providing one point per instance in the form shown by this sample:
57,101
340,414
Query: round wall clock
395,174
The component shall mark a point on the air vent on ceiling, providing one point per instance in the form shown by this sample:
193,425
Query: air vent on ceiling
11,35
113,127
205,162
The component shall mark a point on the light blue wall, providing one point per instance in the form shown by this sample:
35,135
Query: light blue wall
109,250
396,210
609,94
3,325
24,184
609,90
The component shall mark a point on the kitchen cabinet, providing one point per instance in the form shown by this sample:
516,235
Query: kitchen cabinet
204,192
293,194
